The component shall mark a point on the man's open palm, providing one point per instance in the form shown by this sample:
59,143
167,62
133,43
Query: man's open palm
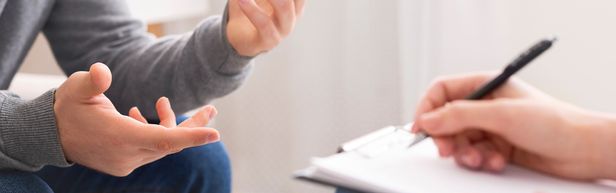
94,134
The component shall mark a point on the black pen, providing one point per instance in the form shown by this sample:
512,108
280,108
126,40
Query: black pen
495,83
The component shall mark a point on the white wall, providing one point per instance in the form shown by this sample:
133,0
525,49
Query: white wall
335,78
470,35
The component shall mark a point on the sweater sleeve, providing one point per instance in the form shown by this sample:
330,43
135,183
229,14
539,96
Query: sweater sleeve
190,69
28,135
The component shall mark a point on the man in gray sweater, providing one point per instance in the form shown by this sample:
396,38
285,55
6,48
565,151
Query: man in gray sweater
81,122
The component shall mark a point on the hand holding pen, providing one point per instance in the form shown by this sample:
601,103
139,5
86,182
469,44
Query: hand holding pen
517,64
516,124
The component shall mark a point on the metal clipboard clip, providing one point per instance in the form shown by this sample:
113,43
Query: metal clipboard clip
384,140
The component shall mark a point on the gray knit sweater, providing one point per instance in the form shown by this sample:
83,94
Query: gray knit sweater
190,69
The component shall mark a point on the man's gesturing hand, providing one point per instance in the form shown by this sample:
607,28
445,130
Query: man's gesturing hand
94,134
257,26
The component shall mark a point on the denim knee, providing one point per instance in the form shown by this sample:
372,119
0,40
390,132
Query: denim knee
22,182
205,168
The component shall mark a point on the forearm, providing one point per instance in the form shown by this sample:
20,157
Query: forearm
190,69
28,133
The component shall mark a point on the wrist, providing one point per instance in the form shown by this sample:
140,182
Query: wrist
32,139
603,152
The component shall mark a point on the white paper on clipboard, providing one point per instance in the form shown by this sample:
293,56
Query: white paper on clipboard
419,169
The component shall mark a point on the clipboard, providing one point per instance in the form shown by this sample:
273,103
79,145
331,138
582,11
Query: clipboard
391,135
381,162
369,145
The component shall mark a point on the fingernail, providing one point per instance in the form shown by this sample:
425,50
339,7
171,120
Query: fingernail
208,111
496,165
211,138
243,1
212,113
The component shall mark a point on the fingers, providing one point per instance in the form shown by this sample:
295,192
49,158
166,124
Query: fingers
481,156
168,119
491,116
496,162
491,159
285,15
136,114
92,83
445,145
458,127
201,118
168,140
268,31
447,89
468,157
473,150
165,113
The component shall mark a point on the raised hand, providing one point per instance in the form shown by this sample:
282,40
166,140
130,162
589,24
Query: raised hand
257,26
94,134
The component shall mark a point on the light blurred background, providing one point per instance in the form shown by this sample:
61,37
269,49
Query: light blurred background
353,66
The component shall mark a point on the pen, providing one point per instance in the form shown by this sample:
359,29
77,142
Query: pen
513,67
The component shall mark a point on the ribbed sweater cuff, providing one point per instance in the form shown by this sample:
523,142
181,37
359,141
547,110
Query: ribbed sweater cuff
211,46
29,132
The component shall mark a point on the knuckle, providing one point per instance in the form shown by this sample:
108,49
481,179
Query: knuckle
438,84
262,22
163,146
439,81
284,5
284,33
117,142
455,112
272,39
455,108
268,34
199,140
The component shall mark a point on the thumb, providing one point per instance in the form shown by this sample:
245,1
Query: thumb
490,116
92,83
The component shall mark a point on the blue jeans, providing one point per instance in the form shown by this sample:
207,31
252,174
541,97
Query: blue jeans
198,169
